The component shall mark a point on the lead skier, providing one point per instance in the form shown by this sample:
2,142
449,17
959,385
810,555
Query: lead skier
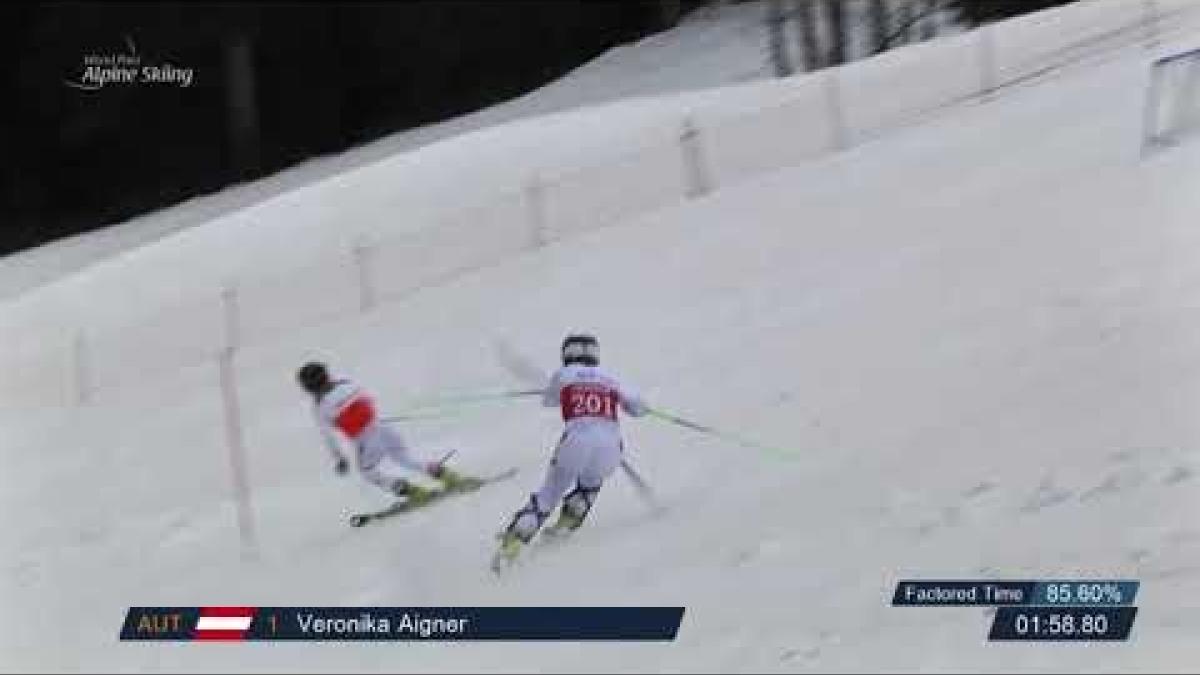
343,406
587,453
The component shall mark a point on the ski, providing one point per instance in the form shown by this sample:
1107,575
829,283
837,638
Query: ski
550,538
404,506
506,558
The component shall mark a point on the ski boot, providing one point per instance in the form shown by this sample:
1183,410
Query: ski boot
525,523
574,510
412,493
566,524
452,480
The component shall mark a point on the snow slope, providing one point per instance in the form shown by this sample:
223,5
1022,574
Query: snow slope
975,337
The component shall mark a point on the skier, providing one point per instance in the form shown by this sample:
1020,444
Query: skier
343,406
588,451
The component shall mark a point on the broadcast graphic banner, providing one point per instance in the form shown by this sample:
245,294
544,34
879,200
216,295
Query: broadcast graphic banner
401,623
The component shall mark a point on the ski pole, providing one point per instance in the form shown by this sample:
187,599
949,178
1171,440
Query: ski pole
451,406
716,433
408,417
640,485
427,415
446,457
481,397
518,364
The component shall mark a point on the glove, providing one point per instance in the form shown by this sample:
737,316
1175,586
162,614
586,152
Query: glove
341,466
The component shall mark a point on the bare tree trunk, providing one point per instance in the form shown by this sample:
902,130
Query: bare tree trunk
669,12
778,48
879,25
906,19
905,28
806,24
835,12
242,105
929,20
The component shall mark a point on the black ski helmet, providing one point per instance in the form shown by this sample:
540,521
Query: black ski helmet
313,377
580,348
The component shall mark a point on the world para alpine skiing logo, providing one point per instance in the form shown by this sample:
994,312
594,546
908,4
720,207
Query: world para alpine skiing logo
101,70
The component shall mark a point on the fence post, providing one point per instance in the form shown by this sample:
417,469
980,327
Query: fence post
1150,111
696,180
366,286
535,208
839,137
229,309
235,443
82,375
987,63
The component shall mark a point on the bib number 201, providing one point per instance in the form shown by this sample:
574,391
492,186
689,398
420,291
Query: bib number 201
590,403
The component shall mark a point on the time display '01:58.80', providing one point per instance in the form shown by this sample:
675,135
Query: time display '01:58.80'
1041,622
1061,624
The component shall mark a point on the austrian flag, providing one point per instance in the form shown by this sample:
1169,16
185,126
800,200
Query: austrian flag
223,623
188,623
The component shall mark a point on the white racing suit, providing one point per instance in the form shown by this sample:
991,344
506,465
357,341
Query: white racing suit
589,449
346,408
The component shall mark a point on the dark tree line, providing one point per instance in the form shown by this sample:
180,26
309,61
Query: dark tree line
824,28
979,12
274,84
